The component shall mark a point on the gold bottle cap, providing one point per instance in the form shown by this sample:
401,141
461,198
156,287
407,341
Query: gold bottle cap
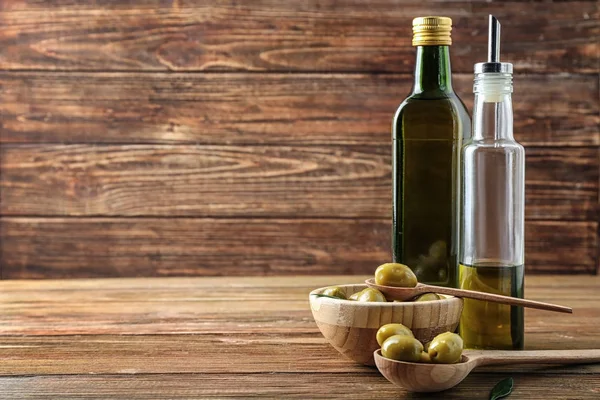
432,31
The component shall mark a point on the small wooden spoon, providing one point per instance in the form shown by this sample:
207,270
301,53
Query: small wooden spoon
407,293
421,377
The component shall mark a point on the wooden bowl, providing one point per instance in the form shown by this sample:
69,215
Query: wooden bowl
351,326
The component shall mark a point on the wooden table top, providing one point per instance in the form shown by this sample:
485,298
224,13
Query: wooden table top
185,338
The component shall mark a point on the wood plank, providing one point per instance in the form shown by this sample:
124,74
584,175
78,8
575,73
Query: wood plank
550,246
562,183
112,247
166,247
367,384
171,353
307,181
258,319
46,290
315,109
270,35
218,306
195,180
252,359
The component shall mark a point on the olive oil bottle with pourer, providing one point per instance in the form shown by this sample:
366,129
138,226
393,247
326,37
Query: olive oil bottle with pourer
492,214
428,130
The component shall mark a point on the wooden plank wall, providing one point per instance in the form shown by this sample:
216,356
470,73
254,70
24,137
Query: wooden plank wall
155,137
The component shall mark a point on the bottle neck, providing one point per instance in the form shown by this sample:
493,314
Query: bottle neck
432,70
493,118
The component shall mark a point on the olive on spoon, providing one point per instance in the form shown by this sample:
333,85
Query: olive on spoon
424,377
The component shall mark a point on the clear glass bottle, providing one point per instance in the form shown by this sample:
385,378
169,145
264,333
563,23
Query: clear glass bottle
491,255
427,131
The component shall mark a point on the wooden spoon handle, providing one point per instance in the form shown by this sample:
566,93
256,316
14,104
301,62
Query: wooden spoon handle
498,357
496,298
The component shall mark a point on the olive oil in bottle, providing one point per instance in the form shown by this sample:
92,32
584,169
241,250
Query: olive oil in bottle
484,324
492,210
427,131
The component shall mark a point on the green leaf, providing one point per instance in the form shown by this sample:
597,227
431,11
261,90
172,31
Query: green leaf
502,389
324,295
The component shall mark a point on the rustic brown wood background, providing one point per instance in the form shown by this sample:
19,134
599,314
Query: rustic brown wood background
144,138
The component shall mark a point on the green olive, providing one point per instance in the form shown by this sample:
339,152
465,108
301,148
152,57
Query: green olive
335,291
402,348
368,294
428,297
388,330
425,357
445,348
392,274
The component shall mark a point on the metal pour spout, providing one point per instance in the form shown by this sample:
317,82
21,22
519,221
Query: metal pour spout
493,64
494,40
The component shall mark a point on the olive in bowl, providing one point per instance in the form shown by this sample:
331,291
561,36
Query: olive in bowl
428,297
335,291
368,294
351,326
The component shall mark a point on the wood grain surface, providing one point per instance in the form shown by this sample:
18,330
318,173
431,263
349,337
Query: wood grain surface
225,181
171,137
352,386
95,247
240,338
241,108
136,308
271,35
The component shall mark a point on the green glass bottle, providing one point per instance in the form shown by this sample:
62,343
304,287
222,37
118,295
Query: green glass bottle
428,130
